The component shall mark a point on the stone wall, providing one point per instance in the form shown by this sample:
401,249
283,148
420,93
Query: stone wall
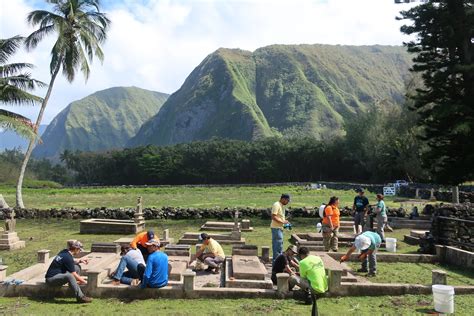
172,213
453,225
440,195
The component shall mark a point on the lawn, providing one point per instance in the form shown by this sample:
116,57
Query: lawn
382,305
182,196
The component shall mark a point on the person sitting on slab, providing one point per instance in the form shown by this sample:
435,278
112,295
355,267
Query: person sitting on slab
132,260
65,269
157,269
286,263
211,253
139,242
368,243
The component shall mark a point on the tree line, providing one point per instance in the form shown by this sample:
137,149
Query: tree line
380,145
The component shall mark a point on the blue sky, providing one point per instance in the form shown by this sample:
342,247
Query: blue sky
155,44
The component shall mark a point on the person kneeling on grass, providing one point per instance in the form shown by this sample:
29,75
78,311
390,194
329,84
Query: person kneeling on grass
211,253
368,243
286,263
157,269
139,242
132,260
65,269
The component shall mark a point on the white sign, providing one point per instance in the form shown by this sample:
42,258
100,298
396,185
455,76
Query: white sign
389,191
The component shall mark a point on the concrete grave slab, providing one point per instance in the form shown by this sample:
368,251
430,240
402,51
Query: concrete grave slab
110,226
245,250
108,247
248,268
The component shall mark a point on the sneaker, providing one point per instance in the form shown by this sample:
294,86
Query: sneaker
209,269
84,299
216,270
371,274
362,270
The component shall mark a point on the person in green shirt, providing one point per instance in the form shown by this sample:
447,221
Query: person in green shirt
381,216
312,276
312,272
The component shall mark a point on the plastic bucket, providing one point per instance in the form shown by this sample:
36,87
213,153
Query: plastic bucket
443,297
391,244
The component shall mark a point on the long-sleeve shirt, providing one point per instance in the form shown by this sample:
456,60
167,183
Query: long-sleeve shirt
156,272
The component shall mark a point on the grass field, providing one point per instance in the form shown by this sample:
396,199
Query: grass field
182,196
381,305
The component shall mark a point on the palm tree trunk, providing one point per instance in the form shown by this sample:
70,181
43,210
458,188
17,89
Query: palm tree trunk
31,145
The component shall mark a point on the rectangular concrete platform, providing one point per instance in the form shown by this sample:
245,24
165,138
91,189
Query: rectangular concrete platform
110,226
223,226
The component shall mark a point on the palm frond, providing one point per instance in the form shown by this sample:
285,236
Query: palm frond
17,123
24,82
13,95
34,38
10,69
8,47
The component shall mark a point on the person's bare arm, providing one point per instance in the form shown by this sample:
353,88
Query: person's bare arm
79,279
348,254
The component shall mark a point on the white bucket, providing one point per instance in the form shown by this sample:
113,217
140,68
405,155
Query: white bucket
391,244
443,297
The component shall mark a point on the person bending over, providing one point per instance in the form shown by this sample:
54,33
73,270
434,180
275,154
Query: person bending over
132,260
368,243
65,269
286,263
139,242
211,253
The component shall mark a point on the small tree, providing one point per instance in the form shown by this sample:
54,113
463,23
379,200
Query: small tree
81,28
444,48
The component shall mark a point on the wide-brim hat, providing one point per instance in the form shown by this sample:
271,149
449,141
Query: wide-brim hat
293,248
362,242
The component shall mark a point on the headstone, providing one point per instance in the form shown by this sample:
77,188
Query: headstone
417,194
455,192
178,250
236,220
188,282
438,277
138,216
245,224
166,234
432,196
248,267
108,247
9,239
282,283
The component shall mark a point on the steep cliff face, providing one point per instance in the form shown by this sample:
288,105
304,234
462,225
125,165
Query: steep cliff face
288,90
104,120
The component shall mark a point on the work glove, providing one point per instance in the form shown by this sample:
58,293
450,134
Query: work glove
343,258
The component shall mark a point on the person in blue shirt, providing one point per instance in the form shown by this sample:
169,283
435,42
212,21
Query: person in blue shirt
368,243
157,267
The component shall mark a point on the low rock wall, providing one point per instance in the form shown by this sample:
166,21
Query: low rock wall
173,213
425,193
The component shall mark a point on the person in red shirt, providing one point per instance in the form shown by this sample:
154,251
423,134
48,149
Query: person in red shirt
331,224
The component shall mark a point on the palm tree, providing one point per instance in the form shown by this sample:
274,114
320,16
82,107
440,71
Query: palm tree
14,87
80,28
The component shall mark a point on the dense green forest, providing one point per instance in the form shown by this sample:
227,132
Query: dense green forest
379,145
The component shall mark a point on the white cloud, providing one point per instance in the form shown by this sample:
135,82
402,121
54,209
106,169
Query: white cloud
155,44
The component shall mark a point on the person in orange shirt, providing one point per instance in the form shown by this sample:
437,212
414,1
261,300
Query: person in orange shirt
139,242
331,224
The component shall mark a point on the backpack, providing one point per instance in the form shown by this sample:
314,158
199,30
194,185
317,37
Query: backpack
321,210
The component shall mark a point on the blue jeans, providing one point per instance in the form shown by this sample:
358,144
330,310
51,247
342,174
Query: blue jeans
277,242
132,273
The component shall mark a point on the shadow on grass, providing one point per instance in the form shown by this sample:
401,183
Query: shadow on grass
54,300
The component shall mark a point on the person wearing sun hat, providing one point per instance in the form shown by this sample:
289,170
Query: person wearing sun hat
368,243
285,262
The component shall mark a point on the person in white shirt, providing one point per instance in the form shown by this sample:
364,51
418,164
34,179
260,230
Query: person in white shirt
132,260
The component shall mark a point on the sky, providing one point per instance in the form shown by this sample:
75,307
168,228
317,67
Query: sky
155,44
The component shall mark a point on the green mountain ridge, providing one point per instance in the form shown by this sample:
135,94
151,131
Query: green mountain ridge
289,90
103,120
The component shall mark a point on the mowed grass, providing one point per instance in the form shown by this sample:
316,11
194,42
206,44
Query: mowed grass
381,305
182,196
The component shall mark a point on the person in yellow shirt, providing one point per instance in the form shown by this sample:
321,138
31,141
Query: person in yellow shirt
278,220
211,253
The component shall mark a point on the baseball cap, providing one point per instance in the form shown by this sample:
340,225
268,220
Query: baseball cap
362,242
285,196
293,248
203,236
76,244
153,242
150,234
